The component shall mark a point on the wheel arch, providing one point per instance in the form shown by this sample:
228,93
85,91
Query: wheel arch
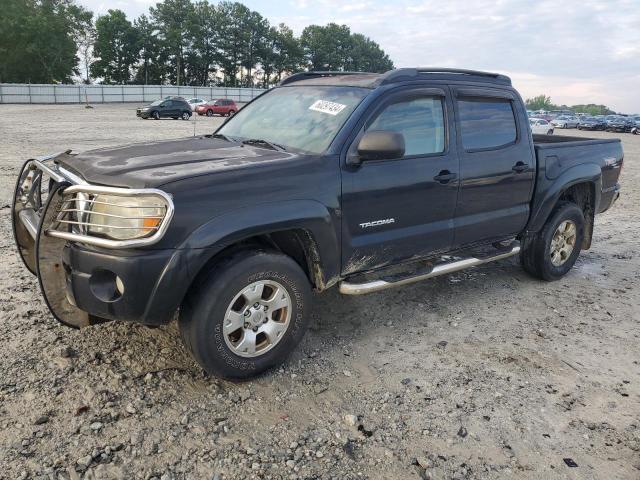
581,185
303,230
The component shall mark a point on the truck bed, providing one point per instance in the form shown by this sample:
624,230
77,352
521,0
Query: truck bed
557,154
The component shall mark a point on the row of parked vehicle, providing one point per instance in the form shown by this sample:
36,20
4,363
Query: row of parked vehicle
545,122
179,107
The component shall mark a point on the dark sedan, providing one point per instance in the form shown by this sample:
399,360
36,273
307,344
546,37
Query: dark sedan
620,124
591,123
167,108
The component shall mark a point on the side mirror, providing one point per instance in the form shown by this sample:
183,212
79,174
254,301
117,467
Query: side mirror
380,145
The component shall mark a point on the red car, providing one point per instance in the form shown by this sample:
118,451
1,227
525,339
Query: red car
221,106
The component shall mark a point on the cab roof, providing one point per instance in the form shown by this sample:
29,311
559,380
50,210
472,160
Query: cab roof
374,80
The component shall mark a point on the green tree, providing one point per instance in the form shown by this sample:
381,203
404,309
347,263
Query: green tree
326,48
171,18
203,32
152,57
540,102
234,37
39,40
334,47
593,109
116,48
365,55
290,56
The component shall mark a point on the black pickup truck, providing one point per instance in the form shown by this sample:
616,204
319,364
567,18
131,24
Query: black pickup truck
361,180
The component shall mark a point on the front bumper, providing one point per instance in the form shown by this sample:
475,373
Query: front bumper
153,282
82,279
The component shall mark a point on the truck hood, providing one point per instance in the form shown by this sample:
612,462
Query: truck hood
149,165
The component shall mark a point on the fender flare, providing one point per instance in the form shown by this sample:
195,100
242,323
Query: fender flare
240,224
584,173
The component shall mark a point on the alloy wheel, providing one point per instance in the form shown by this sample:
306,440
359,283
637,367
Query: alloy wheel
257,318
563,242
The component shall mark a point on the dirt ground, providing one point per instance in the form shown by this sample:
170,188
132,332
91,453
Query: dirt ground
486,373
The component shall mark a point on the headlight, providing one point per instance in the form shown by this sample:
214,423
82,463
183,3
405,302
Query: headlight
125,217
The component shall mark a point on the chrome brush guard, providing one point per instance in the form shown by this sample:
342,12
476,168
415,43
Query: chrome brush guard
50,209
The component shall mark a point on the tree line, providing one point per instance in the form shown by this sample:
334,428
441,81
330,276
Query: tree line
544,102
180,42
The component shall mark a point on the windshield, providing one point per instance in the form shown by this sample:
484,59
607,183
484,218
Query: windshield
304,117
156,103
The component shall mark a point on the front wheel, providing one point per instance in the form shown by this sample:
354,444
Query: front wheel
551,253
209,113
231,113
550,132
246,314
156,115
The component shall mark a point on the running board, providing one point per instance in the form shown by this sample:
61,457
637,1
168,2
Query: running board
347,288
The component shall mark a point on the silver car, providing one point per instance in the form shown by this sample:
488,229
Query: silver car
566,121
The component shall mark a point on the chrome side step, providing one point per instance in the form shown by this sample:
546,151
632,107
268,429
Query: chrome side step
347,288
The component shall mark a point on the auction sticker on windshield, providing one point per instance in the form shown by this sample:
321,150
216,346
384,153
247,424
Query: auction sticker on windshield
326,106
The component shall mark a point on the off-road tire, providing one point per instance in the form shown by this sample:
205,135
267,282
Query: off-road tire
203,311
535,255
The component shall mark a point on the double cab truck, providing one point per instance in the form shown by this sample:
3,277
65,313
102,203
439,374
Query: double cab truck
357,180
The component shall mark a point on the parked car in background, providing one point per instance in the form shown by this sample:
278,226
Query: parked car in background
541,126
620,124
167,108
591,123
565,121
194,102
221,106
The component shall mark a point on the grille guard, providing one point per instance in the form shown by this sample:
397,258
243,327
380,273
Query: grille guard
41,192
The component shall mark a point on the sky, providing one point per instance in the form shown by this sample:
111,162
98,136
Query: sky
576,51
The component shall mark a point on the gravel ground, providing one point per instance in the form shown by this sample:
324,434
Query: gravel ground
486,373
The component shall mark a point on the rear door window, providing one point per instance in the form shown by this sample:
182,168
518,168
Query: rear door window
486,123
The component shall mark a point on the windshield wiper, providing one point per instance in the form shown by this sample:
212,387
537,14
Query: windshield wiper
264,143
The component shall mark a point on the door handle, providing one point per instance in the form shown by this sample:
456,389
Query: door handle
445,176
520,167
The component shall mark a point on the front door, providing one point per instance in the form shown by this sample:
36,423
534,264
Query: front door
496,165
397,210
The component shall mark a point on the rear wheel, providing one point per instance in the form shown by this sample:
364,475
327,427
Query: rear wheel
231,113
550,132
246,314
554,250
186,115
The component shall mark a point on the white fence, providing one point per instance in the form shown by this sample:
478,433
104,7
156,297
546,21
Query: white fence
27,93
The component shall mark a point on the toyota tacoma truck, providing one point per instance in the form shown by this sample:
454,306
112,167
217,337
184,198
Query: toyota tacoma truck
357,180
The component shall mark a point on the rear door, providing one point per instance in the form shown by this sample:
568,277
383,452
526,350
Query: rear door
400,209
496,165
